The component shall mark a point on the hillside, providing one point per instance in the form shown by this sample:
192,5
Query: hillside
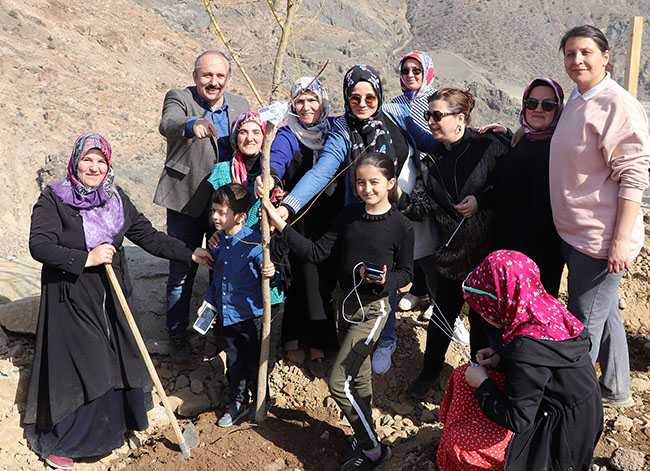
518,41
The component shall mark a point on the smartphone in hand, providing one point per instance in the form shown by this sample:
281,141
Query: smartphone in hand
204,321
373,271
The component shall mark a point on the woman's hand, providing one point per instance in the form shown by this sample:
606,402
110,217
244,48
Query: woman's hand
487,357
100,255
259,186
203,257
494,127
275,218
618,257
468,206
214,240
475,375
268,271
517,136
370,280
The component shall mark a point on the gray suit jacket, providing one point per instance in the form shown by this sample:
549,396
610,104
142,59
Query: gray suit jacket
183,184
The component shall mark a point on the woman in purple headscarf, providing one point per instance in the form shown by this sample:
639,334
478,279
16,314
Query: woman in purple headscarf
88,378
524,221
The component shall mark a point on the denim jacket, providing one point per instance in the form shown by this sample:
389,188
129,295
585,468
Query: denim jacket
337,150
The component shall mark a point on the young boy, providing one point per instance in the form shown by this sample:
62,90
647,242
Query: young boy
236,292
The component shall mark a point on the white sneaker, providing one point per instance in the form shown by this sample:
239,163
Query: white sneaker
381,358
426,315
460,332
410,301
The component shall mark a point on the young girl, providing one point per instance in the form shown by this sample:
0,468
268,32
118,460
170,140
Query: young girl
552,399
371,233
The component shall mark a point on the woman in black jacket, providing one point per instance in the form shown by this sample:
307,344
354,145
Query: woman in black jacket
552,398
453,188
88,378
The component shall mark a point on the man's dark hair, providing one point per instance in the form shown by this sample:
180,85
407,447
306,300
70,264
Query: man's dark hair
234,196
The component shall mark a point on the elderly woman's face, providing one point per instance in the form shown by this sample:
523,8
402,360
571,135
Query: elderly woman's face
250,138
308,108
92,168
363,100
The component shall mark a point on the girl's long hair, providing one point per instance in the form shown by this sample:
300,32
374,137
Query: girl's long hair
387,167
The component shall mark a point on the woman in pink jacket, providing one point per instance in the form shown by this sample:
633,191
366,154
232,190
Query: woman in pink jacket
599,159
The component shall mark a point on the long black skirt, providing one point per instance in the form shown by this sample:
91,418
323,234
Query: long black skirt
95,428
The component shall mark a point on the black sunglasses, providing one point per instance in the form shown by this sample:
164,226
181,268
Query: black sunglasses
547,104
415,70
438,115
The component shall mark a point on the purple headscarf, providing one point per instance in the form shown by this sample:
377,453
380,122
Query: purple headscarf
100,207
547,133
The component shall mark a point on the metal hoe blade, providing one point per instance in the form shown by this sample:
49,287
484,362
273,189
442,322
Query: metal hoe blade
190,440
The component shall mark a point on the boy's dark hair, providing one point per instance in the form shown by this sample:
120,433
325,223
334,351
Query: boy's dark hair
234,196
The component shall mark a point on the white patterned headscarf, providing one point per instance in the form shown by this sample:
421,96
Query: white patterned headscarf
314,135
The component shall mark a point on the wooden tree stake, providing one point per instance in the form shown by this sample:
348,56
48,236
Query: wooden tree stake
631,80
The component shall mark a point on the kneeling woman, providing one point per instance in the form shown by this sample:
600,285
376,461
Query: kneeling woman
552,398
88,379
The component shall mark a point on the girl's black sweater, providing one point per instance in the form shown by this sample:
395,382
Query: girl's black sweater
356,236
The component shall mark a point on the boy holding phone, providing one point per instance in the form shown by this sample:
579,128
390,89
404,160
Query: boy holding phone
236,292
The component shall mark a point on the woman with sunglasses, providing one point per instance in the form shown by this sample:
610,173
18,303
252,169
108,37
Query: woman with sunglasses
523,218
367,125
453,188
598,171
416,81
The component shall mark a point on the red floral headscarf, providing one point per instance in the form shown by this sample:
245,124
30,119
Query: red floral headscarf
505,288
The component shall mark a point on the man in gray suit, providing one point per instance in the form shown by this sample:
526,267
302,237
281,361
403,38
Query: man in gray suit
196,123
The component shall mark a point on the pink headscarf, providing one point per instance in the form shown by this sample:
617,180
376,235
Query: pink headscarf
505,288
547,133
427,73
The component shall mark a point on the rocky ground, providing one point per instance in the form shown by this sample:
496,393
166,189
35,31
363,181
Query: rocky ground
305,429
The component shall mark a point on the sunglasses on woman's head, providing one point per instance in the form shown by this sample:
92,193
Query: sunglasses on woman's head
547,104
437,115
356,100
415,71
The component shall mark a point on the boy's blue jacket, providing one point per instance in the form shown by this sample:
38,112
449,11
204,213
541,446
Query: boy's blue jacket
236,288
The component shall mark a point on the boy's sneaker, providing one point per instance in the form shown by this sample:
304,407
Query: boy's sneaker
381,357
353,451
59,462
410,302
233,414
361,462
460,332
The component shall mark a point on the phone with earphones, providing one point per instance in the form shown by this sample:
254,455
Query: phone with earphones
373,271
204,321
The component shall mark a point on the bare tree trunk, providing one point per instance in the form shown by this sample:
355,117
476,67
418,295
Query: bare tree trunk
271,129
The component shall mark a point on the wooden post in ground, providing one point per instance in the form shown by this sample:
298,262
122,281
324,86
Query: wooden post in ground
631,80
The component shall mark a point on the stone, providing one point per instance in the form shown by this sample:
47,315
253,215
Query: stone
157,346
181,382
325,435
402,408
623,424
192,404
624,459
277,465
196,386
427,416
4,340
20,316
640,384
289,389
